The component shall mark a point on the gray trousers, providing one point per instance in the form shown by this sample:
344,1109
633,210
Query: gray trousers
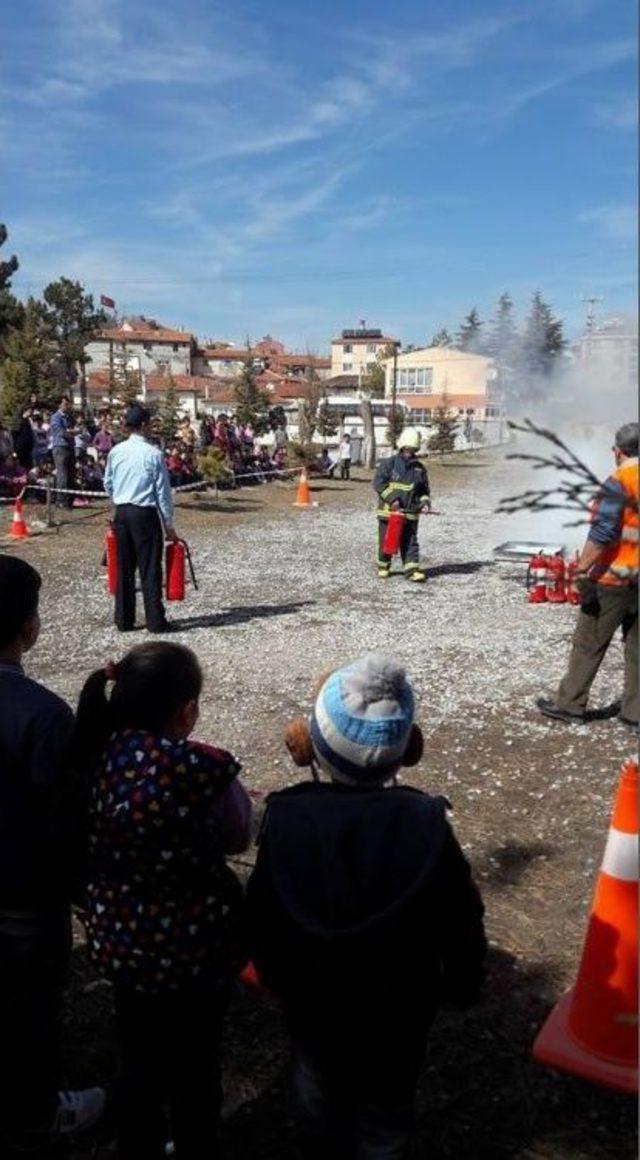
605,608
65,464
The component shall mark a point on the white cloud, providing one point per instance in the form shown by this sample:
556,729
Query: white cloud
617,221
621,113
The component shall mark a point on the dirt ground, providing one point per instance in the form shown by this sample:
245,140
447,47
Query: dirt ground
283,595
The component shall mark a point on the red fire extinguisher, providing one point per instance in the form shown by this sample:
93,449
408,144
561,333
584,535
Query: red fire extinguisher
556,592
573,592
537,579
111,552
177,556
393,534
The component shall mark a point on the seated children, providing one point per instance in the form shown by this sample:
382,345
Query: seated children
362,912
42,834
164,912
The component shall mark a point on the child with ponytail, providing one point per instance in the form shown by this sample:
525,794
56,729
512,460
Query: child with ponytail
164,911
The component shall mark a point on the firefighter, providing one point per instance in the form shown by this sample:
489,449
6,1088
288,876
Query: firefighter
402,485
608,569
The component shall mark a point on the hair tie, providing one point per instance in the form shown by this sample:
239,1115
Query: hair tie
111,671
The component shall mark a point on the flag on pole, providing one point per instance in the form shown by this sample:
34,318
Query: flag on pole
104,301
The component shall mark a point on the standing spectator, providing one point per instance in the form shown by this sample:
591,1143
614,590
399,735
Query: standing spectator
40,441
164,910
6,444
363,916
138,483
344,453
41,852
63,434
103,439
23,441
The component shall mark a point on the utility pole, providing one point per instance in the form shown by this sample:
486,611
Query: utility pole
591,303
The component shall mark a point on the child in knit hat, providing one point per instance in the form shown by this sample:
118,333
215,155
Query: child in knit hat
363,913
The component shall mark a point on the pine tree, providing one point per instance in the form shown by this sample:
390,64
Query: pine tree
251,401
374,381
502,345
542,341
26,369
442,338
395,425
468,337
447,424
166,417
327,423
213,467
74,321
11,310
309,407
125,382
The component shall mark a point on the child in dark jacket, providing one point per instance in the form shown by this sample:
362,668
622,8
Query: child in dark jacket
363,913
164,912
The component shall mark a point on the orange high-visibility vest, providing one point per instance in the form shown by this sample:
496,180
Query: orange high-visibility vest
620,562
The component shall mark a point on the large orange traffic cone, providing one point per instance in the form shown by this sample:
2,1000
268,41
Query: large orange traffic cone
18,529
303,495
593,1031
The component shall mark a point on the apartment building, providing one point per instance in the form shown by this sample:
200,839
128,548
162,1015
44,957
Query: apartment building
356,351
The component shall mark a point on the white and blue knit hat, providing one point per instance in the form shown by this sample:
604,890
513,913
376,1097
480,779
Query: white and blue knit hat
362,720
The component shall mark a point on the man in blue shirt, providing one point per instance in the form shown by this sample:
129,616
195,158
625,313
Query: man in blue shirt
137,480
63,449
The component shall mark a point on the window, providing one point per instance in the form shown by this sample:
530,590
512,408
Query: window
147,347
371,348
175,348
347,368
347,348
415,380
418,415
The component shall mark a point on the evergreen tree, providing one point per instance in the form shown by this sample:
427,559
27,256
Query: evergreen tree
74,321
374,381
125,382
166,417
29,353
395,425
502,345
468,337
213,467
11,310
447,424
327,423
251,401
309,407
543,339
442,338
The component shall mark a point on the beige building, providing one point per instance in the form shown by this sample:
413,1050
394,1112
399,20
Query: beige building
438,375
355,352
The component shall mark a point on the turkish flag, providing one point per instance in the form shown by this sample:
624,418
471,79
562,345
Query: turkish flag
104,301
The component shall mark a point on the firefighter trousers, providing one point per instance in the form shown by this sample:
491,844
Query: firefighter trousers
605,608
409,547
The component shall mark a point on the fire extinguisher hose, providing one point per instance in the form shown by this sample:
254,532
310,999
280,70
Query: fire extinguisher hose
192,571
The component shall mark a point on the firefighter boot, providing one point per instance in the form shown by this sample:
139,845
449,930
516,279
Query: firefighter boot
384,571
417,575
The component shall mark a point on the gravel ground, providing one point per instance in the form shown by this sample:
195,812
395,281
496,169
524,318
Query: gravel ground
285,594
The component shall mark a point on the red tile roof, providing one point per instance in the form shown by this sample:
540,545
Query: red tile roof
144,332
159,383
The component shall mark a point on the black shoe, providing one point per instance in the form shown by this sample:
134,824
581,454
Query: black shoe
628,724
126,627
164,627
549,709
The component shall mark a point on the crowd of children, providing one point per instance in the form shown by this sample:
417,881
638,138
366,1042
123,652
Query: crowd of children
26,453
360,915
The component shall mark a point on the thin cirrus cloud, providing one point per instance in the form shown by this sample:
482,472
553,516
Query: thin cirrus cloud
617,221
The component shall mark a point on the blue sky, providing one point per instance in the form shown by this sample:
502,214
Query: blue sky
242,168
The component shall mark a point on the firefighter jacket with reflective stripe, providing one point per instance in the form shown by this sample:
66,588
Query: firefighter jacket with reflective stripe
404,481
616,525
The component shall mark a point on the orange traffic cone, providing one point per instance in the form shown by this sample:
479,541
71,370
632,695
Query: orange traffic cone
593,1031
303,495
18,529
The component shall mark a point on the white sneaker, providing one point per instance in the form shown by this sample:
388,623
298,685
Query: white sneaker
79,1111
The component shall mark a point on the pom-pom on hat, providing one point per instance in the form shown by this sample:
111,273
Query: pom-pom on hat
362,720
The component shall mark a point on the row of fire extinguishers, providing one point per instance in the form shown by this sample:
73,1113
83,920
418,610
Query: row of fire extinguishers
176,560
552,581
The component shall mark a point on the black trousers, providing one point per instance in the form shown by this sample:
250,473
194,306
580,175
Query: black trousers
34,954
65,464
345,469
409,547
169,1085
139,545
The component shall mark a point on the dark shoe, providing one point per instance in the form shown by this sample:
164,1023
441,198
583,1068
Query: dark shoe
126,627
549,709
163,627
628,724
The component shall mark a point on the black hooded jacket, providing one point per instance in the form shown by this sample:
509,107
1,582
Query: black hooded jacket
364,896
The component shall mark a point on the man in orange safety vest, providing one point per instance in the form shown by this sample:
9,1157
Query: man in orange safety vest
608,567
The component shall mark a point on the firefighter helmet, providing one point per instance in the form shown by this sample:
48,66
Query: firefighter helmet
410,438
